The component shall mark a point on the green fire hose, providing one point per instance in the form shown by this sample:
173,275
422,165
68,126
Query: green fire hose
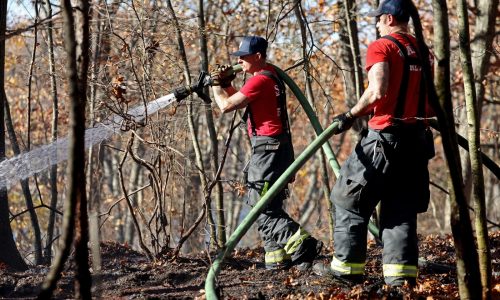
320,141
332,160
210,289
327,149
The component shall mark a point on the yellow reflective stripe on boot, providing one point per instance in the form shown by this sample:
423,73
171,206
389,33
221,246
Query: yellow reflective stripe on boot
345,268
295,240
397,270
277,256
264,189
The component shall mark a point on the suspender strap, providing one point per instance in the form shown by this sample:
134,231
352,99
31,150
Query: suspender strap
403,88
400,105
282,111
247,114
422,99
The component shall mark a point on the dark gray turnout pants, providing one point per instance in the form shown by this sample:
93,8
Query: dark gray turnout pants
271,156
390,167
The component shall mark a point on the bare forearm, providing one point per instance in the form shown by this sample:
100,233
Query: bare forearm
378,79
224,100
365,104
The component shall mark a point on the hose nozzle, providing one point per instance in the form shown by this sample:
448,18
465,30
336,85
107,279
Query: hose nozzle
204,80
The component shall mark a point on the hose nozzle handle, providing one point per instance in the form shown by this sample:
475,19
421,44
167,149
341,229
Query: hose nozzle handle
183,92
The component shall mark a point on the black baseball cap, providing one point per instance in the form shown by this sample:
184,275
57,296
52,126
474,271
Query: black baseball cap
251,45
397,8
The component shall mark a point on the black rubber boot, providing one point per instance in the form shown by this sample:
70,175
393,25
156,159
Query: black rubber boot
324,270
313,249
283,265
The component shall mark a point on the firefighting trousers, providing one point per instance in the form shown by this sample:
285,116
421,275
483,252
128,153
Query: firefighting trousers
389,168
283,237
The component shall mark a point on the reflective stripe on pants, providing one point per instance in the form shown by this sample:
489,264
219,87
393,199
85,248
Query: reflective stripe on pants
345,268
296,240
277,256
397,270
264,189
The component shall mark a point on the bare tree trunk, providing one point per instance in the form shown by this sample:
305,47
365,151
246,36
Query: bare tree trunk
350,46
234,205
83,282
93,161
326,195
311,194
101,49
346,63
194,137
25,187
482,46
54,131
481,52
9,255
75,217
310,97
219,197
473,121
30,77
25,182
467,269
352,31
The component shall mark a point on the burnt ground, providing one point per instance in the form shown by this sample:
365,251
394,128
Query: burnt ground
127,274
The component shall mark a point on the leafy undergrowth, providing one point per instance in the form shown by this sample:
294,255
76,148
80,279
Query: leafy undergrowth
127,274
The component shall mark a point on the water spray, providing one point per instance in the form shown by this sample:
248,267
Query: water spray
26,164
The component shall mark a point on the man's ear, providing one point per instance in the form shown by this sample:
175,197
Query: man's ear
391,20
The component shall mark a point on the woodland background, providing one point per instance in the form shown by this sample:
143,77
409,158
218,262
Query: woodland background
148,184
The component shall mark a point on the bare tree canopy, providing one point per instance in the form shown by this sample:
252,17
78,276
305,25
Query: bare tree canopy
96,149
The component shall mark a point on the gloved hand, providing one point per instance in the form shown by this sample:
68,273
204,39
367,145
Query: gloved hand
223,75
344,121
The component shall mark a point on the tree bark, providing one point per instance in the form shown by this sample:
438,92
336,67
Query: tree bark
75,218
440,97
219,197
25,187
481,52
310,97
194,137
351,57
54,132
473,122
9,254
15,144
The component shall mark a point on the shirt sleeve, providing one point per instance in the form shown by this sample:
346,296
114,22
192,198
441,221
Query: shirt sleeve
253,87
378,51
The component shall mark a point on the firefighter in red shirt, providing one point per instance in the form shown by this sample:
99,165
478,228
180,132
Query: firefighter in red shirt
389,164
286,243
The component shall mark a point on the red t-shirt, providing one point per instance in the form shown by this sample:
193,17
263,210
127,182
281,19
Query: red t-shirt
384,50
262,93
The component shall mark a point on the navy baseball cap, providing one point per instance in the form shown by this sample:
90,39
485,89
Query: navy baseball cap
397,8
251,45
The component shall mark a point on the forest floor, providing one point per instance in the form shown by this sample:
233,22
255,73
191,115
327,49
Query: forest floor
127,274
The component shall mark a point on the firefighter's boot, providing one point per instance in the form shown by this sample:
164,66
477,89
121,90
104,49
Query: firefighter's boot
277,260
325,270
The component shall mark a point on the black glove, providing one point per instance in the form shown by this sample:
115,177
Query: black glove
344,122
223,75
